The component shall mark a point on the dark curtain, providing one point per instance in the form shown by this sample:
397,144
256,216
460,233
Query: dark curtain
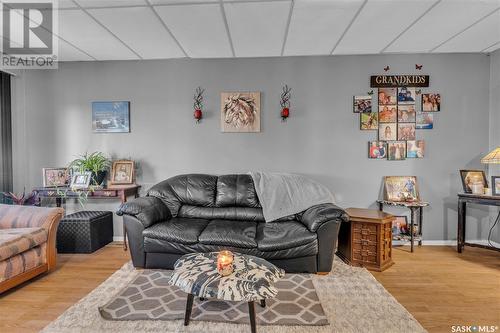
5,134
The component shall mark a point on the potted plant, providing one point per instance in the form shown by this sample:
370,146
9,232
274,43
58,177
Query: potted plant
95,162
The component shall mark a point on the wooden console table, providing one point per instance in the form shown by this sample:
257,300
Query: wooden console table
415,207
121,192
463,199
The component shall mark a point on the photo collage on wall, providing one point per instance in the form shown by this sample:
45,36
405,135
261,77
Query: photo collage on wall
396,120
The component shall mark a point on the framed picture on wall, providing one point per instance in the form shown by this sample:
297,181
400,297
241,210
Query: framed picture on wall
377,149
470,177
406,113
122,172
362,104
415,149
406,95
240,112
54,177
396,150
431,102
495,185
387,114
111,117
406,131
368,121
388,131
425,120
387,96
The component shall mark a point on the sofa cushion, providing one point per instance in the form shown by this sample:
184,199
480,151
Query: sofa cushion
230,233
236,191
178,230
23,262
282,235
253,214
17,240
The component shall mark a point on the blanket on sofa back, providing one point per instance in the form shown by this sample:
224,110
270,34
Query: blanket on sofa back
283,194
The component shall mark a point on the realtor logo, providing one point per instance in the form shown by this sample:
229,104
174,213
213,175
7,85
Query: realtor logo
29,34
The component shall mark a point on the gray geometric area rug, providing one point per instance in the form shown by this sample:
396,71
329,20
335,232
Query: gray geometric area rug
352,299
149,296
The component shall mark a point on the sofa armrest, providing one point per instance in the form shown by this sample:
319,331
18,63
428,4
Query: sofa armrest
148,210
315,216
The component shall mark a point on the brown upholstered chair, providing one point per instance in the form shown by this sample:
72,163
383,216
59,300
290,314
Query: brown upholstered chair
27,242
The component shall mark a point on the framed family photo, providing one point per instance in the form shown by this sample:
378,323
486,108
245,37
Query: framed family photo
396,150
122,172
399,226
81,180
387,96
406,131
406,113
377,150
362,104
387,132
415,149
401,188
431,102
425,120
406,95
495,185
368,121
387,114
54,177
470,177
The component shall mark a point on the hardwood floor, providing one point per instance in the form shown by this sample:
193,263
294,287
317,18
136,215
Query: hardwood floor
437,285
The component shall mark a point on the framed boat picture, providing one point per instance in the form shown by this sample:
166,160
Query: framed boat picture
111,117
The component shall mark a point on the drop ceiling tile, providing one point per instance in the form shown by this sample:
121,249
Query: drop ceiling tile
442,22
140,29
79,29
370,32
69,53
316,25
257,29
476,38
63,4
110,3
199,29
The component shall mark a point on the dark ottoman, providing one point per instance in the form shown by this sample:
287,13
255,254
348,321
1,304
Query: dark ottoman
84,232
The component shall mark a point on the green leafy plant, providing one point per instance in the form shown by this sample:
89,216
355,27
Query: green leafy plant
94,162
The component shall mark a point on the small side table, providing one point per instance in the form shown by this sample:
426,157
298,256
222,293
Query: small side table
416,209
366,240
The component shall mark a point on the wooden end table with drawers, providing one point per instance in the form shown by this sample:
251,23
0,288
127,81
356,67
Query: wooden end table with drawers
366,240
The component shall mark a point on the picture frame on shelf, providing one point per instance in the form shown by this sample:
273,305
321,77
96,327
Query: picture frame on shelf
81,180
401,189
55,177
399,226
495,185
362,104
122,172
470,177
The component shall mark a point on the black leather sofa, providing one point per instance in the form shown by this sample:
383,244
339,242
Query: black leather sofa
204,213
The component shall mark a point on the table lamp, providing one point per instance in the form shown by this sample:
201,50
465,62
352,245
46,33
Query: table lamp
493,157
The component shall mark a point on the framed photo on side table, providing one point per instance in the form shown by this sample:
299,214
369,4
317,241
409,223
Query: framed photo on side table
401,188
122,172
81,180
495,185
54,177
470,177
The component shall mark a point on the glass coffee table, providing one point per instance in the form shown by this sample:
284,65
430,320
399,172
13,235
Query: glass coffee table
252,281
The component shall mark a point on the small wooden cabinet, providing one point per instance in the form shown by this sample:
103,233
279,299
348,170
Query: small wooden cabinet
366,240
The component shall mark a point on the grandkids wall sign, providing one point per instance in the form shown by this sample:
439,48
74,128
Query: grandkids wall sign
394,81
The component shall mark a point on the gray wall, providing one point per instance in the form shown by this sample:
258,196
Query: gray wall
321,139
494,170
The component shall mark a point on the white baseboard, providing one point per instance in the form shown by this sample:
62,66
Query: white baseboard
118,239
